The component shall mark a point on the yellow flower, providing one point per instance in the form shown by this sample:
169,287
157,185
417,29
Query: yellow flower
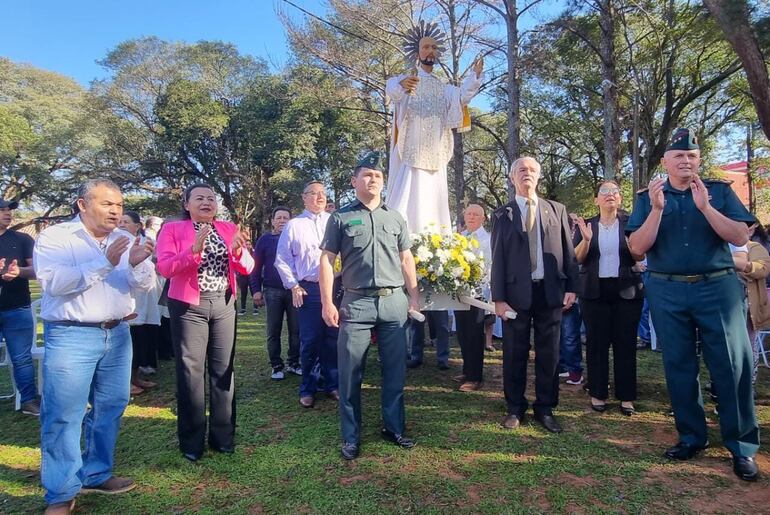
435,239
474,243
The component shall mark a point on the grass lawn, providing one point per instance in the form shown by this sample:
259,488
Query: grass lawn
287,458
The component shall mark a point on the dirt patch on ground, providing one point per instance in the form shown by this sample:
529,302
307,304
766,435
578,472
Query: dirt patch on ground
347,481
574,481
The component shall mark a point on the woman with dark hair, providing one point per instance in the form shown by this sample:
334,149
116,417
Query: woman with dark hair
200,256
144,328
610,298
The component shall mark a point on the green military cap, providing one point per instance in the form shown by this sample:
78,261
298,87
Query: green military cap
683,139
372,160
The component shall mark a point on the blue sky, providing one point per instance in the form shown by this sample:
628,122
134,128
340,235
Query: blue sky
69,36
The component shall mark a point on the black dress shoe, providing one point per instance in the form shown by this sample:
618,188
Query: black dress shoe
512,421
192,456
227,449
627,411
443,366
601,408
413,363
549,422
400,440
745,468
349,451
684,451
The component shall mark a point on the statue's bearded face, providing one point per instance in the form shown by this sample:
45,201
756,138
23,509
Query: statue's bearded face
428,51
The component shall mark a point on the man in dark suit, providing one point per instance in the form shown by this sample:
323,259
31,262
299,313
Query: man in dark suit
534,273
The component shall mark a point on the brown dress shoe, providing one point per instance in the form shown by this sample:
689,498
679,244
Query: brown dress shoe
307,401
114,485
470,386
61,508
459,379
512,421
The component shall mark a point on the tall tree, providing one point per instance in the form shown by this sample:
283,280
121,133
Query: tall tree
733,18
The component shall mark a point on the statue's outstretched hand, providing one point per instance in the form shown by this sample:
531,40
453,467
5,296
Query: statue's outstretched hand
478,66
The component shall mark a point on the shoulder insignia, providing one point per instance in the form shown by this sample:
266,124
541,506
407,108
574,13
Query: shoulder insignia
717,181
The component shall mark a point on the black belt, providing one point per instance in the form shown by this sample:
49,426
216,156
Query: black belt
109,324
691,278
373,292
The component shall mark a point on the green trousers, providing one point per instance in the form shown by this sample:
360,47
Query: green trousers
358,316
716,308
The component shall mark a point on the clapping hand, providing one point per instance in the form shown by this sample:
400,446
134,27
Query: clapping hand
116,250
700,195
239,240
10,273
200,238
585,229
655,190
139,252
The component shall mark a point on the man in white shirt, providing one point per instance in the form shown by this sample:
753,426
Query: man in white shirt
297,260
88,271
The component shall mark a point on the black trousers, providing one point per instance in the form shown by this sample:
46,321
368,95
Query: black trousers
546,322
470,336
611,322
165,346
204,335
144,340
243,290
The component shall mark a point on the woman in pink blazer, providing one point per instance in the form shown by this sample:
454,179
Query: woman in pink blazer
200,256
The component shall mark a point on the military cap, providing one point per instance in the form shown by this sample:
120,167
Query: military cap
683,139
10,204
372,160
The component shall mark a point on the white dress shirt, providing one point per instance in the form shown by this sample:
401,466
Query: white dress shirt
539,271
79,283
609,250
298,256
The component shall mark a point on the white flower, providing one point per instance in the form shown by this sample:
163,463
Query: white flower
443,255
440,270
469,256
457,271
423,254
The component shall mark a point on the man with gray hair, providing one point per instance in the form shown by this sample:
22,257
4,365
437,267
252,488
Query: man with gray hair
534,272
88,270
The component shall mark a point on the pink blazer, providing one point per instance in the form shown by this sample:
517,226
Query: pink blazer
177,262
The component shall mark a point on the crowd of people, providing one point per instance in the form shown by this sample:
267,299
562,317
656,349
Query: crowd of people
343,278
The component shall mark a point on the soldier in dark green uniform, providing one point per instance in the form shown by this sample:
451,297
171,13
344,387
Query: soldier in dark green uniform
373,243
683,224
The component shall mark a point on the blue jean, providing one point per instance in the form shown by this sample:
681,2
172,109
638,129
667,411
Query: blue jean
643,332
440,320
18,330
81,365
570,348
317,344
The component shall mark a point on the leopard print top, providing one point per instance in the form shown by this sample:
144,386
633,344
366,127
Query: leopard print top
215,263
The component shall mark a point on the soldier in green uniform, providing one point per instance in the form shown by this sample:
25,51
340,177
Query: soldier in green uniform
373,243
684,224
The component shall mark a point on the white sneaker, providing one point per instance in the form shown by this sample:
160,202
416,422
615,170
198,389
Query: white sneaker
564,374
294,370
277,374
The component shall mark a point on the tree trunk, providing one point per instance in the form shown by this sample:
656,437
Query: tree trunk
733,18
513,84
609,90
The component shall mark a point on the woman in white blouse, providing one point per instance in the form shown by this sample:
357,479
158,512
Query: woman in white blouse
611,294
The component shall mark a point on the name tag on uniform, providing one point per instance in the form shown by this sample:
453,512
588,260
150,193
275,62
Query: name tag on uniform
356,222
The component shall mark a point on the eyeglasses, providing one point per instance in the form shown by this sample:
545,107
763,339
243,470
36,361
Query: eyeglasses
315,193
608,190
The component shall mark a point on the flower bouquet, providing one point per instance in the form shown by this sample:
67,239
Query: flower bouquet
449,266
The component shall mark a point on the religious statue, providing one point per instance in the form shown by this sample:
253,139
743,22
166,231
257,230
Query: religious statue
426,111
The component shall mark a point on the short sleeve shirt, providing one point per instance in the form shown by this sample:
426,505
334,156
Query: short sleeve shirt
686,243
18,246
369,243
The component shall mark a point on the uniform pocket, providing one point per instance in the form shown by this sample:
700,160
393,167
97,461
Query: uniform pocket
357,235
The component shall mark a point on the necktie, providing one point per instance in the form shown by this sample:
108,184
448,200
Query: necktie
531,234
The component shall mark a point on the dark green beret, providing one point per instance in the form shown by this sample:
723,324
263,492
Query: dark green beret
683,139
372,160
